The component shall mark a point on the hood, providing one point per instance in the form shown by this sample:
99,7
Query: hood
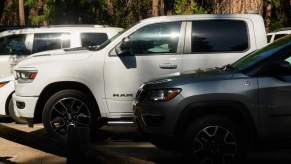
6,79
197,76
57,52
55,56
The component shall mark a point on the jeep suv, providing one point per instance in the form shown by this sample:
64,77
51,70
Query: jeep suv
90,87
215,114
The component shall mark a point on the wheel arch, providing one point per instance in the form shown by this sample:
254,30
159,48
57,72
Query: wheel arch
233,109
53,88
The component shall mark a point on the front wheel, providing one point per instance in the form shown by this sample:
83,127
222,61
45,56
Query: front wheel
215,139
69,107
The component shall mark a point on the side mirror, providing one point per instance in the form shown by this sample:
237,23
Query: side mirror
123,47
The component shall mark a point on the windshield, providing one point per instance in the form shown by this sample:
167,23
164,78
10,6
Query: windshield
259,55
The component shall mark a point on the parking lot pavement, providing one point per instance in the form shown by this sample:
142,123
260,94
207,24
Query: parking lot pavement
118,144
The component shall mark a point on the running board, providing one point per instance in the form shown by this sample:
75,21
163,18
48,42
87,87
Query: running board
120,122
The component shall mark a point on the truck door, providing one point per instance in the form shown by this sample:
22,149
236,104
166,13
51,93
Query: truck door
155,52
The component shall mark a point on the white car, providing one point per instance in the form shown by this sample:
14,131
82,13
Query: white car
274,35
18,44
85,87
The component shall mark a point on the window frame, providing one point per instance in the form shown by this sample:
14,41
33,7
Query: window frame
188,43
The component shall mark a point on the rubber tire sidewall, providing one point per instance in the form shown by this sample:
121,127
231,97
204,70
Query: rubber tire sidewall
211,120
65,94
12,113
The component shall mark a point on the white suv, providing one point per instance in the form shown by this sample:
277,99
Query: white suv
17,44
83,86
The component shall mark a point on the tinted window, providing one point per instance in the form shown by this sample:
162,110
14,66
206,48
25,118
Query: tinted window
14,45
156,38
50,41
93,39
219,36
278,36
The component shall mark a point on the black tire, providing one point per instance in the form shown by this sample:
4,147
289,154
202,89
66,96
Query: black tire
215,139
82,112
12,114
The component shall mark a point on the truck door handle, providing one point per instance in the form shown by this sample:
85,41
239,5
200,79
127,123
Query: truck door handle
168,66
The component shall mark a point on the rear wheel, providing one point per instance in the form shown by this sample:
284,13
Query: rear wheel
69,107
215,139
12,113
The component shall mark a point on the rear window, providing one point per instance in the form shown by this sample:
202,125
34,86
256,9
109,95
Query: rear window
50,41
219,36
278,36
93,39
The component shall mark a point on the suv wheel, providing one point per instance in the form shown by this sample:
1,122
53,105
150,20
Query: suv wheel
69,107
215,139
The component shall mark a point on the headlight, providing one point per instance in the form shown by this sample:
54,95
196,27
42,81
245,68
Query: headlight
25,76
161,94
2,84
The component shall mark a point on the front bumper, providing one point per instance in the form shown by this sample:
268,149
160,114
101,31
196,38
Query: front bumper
157,118
25,106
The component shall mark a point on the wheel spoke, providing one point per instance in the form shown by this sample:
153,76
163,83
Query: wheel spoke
59,112
64,106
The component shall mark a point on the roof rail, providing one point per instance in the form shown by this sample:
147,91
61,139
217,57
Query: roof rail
283,29
77,25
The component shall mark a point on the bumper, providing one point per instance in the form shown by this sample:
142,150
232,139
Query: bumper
157,119
25,106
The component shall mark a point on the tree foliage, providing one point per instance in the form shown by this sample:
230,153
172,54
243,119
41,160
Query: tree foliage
126,12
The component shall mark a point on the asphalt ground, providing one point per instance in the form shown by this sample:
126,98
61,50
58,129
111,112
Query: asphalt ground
115,144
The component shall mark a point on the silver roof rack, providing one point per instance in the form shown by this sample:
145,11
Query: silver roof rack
283,29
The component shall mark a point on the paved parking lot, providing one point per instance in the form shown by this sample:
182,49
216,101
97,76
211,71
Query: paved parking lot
20,144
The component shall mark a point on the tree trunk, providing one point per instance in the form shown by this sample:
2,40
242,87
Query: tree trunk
9,16
238,6
162,7
268,16
21,13
110,10
155,7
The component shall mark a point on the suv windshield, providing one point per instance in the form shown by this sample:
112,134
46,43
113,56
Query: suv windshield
259,55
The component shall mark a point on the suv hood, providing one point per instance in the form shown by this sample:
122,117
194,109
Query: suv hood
190,77
61,55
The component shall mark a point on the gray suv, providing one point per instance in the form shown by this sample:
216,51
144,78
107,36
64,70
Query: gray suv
216,114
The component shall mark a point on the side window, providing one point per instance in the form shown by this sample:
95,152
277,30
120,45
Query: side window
50,41
219,36
93,39
14,45
278,36
156,39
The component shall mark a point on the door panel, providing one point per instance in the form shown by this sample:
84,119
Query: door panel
155,53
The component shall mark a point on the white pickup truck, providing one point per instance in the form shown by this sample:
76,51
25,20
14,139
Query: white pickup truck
84,87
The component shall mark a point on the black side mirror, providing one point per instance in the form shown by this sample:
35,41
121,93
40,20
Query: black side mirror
123,47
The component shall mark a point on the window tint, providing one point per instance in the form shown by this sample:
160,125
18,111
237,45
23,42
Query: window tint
219,36
278,36
50,41
156,38
93,39
14,45
269,37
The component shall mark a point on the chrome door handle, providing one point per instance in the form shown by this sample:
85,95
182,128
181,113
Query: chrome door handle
168,66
